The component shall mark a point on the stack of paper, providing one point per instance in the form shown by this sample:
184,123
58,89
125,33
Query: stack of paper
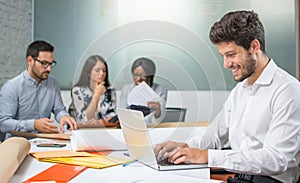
80,158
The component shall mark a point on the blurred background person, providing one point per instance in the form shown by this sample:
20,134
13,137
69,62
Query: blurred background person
143,69
28,99
93,99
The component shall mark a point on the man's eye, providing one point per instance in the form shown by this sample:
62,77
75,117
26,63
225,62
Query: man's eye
231,55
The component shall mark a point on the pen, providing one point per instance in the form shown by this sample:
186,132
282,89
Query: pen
126,164
126,154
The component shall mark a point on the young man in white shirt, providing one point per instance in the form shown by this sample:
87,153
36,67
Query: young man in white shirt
260,119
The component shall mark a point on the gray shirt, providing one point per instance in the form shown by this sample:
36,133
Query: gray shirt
23,101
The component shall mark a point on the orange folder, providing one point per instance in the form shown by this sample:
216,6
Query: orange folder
59,173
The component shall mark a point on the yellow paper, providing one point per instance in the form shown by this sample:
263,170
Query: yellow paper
59,154
80,158
95,161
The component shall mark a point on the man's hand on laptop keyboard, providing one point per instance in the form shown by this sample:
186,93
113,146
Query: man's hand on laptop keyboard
163,150
189,155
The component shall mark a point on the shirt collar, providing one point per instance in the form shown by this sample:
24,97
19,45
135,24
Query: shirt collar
28,77
266,76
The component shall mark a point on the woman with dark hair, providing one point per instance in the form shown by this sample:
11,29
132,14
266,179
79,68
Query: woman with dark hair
93,99
143,70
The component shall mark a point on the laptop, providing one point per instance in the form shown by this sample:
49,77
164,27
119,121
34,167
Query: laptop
139,144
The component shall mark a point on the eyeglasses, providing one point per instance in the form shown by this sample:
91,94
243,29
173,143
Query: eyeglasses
45,64
142,76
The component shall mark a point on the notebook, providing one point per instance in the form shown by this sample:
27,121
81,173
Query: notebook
139,144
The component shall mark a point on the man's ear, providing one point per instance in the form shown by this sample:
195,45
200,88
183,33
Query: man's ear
255,46
29,60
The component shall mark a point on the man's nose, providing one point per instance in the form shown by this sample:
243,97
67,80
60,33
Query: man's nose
49,68
227,63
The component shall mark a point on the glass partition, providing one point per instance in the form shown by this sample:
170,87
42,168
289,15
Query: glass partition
174,33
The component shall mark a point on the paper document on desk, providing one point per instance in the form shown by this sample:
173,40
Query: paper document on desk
97,139
59,153
91,160
97,161
141,94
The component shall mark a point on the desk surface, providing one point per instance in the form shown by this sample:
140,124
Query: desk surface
66,136
135,172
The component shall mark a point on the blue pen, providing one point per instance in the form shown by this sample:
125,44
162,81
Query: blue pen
126,164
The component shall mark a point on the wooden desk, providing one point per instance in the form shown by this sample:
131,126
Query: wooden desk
66,136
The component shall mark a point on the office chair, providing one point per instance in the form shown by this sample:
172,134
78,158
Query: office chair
175,114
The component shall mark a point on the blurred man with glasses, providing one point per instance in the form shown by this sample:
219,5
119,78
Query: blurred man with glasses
28,100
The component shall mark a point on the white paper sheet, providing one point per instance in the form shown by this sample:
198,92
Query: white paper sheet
141,94
137,172
97,139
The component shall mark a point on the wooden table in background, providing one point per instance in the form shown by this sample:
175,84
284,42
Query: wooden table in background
66,136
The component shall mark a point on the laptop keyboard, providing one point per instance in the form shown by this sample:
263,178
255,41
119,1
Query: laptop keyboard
165,162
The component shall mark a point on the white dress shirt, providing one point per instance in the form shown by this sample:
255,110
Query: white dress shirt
261,122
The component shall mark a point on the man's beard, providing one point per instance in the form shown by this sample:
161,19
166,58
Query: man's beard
249,68
39,76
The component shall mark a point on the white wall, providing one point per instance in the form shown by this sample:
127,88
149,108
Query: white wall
201,105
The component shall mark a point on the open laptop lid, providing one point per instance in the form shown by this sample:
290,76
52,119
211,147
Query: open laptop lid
136,136
139,143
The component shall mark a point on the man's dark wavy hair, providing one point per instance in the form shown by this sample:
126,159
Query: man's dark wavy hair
241,27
